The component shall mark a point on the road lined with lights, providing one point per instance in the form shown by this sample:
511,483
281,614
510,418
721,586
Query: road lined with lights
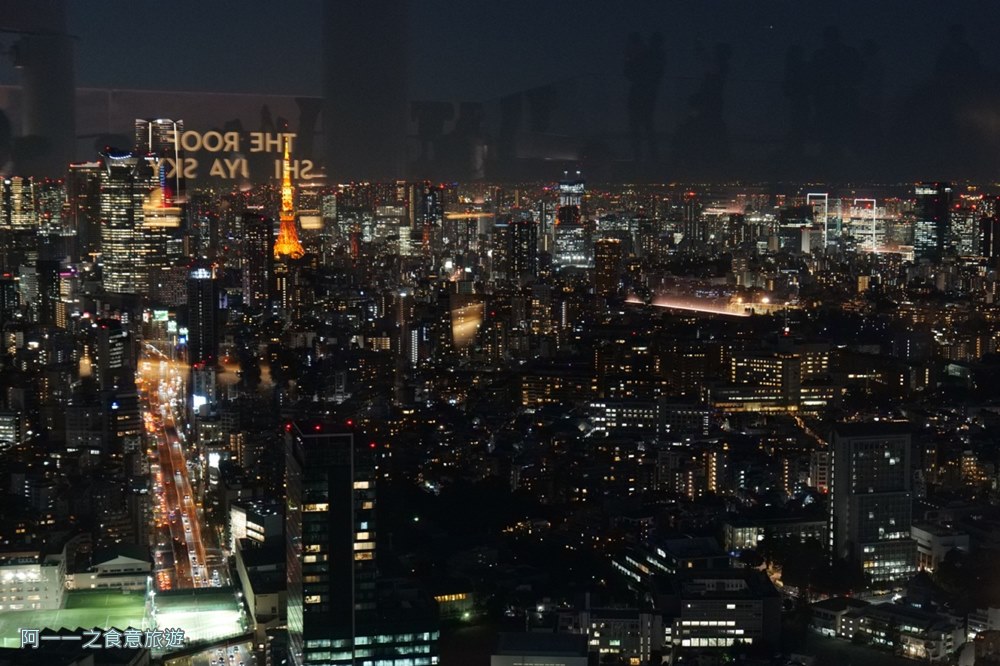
177,510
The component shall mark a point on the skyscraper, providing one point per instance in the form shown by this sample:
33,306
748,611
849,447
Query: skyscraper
524,247
570,239
932,225
126,183
607,266
426,208
330,530
203,314
870,499
692,226
571,190
160,137
257,258
989,236
83,191
335,613
515,248
17,204
112,354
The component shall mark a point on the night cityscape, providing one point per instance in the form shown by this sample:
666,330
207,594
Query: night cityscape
414,333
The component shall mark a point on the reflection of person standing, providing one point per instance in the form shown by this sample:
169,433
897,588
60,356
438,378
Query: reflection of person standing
6,146
634,52
653,74
796,90
643,70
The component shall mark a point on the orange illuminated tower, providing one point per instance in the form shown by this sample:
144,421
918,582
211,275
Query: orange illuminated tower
287,244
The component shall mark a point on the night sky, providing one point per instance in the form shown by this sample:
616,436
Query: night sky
482,49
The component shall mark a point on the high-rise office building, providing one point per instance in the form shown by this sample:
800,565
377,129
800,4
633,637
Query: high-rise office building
515,248
607,266
571,190
17,204
932,226
692,225
426,212
10,298
524,247
127,181
334,611
501,250
330,530
50,204
159,136
257,258
870,499
111,353
570,239
203,316
83,191
989,236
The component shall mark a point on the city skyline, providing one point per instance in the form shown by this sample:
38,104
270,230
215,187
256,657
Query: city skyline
398,334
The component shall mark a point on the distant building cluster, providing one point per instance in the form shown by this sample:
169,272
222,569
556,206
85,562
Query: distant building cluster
636,424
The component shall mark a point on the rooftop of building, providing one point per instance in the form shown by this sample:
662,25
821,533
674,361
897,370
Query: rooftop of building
838,604
691,547
539,644
774,516
935,529
873,429
914,617
757,584
267,582
127,550
261,507
256,554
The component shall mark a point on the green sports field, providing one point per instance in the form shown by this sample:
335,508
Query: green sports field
85,610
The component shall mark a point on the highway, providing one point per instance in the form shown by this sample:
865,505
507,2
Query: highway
181,560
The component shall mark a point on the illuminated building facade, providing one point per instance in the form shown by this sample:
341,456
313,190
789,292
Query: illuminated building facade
871,499
989,236
331,542
159,137
257,258
570,239
515,249
127,180
31,581
761,382
426,207
932,227
569,236
607,266
112,357
203,315
334,615
83,191
722,607
17,204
